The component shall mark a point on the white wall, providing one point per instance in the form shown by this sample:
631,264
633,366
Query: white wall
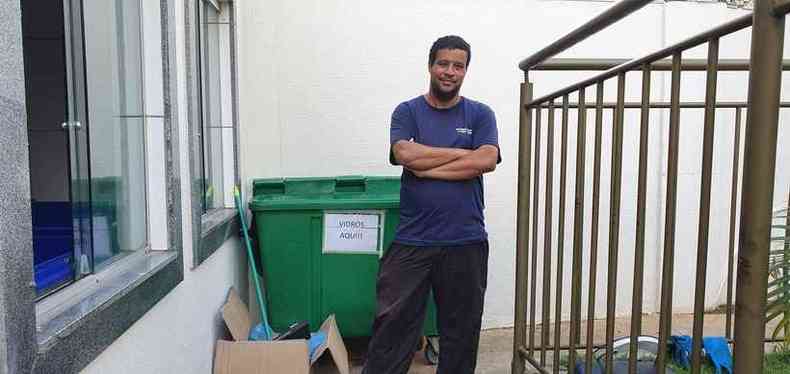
319,80
732,86
178,334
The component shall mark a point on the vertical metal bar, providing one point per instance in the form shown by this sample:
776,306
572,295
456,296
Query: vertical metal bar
704,205
667,272
522,227
561,234
762,120
641,207
547,226
536,199
736,152
594,227
614,218
578,233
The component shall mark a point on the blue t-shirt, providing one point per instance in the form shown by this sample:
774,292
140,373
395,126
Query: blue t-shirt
437,212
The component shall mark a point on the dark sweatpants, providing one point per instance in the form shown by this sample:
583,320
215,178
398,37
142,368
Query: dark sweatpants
457,275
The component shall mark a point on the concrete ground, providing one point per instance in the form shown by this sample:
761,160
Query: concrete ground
495,352
493,357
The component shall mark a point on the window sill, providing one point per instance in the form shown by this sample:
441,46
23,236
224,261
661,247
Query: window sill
76,324
216,227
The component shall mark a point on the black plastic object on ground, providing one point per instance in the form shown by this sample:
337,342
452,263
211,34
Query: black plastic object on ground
299,330
647,351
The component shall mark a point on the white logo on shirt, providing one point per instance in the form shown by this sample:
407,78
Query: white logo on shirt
463,131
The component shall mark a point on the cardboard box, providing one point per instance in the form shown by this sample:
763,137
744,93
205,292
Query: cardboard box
271,357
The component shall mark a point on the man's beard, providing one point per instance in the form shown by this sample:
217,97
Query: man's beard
444,96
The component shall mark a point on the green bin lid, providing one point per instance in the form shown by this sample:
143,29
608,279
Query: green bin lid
343,192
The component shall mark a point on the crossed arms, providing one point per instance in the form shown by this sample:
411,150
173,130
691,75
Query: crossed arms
450,164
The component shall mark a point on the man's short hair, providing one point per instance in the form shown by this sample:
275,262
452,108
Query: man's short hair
449,42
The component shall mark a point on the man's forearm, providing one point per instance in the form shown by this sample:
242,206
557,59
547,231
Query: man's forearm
450,175
418,157
474,164
461,169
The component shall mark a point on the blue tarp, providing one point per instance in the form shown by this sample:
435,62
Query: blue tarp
716,350
680,348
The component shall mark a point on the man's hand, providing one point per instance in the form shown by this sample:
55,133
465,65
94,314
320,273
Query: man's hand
474,164
417,157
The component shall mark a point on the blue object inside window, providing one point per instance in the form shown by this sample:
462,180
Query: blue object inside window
53,243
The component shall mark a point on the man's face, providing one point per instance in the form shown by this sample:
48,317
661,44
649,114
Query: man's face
447,73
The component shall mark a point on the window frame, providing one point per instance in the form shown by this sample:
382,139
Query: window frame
111,310
211,227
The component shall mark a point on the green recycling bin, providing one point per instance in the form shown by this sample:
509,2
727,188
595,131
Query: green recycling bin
319,242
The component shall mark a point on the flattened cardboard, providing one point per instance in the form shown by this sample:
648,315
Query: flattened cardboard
272,357
334,342
236,317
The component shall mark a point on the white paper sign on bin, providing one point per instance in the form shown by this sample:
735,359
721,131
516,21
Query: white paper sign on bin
353,232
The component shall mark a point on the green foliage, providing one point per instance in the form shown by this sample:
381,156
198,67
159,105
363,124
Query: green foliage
777,362
779,279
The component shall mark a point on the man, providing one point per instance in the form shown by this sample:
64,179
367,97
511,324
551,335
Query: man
445,143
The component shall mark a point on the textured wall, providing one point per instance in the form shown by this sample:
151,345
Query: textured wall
16,249
320,80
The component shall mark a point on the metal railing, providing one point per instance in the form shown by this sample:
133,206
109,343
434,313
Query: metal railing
762,109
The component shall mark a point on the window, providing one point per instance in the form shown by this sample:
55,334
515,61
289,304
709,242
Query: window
212,113
216,121
117,128
87,134
106,234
